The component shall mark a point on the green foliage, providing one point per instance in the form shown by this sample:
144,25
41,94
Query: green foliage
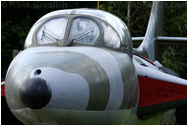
139,13
176,58
175,18
175,24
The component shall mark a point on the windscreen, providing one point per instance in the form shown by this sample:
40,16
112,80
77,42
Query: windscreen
84,30
52,31
111,38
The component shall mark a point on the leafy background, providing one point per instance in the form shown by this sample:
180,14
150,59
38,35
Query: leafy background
18,17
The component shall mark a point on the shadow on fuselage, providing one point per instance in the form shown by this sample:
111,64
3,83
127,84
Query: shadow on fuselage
7,118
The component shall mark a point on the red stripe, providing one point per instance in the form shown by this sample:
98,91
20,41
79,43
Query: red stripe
2,88
154,91
145,58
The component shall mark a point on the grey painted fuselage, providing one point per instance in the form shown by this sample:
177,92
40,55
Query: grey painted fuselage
78,67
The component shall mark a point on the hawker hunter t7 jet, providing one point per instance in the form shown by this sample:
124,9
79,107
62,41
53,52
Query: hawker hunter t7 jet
78,66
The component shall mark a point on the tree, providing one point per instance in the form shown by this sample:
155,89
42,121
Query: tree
175,24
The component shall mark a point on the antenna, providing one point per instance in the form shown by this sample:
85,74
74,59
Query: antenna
97,5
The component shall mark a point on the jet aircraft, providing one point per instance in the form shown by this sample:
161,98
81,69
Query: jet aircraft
78,66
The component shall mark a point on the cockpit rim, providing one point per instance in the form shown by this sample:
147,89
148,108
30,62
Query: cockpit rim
39,23
70,19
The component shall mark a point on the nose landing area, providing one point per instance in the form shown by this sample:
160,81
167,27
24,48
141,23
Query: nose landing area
35,93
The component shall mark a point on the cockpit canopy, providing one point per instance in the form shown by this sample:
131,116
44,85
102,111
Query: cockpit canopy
80,27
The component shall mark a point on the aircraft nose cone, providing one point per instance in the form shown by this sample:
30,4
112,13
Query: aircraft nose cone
35,93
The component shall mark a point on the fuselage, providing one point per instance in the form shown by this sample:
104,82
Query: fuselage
78,67
78,80
88,85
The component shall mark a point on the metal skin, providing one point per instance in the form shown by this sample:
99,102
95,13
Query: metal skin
80,82
148,47
84,83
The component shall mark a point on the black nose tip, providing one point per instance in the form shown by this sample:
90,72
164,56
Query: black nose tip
35,93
